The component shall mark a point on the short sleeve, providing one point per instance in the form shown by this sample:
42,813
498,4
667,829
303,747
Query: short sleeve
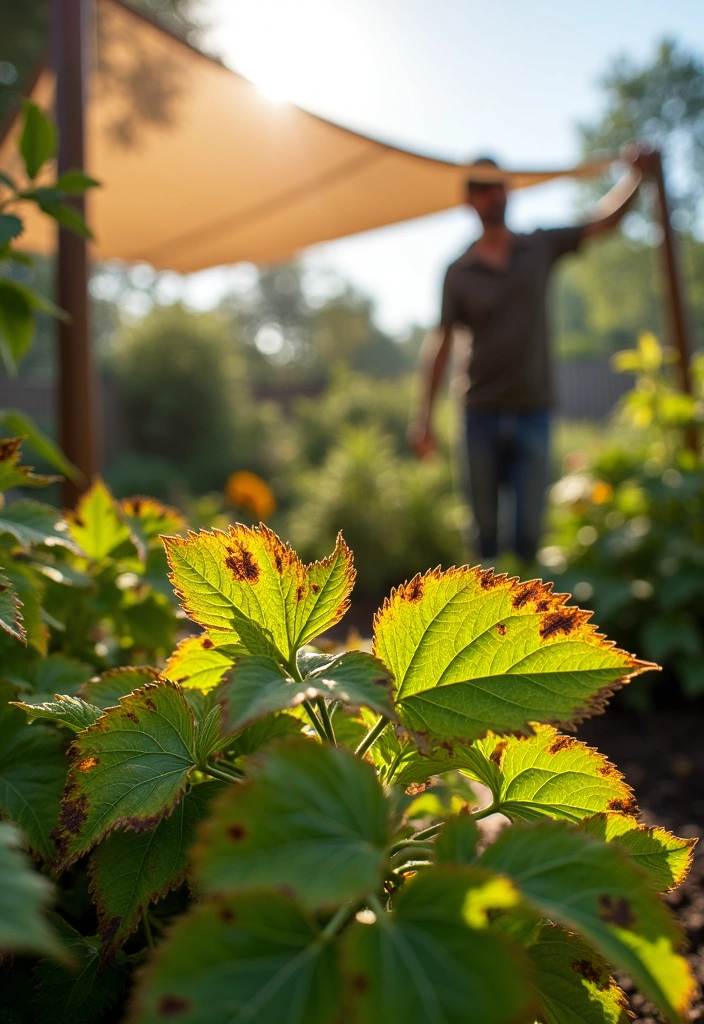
450,313
561,241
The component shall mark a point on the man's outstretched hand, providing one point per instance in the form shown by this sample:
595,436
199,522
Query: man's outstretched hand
421,439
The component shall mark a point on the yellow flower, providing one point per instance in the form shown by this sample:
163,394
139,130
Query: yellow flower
602,492
249,492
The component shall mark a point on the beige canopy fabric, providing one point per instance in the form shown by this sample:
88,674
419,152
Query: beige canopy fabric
199,168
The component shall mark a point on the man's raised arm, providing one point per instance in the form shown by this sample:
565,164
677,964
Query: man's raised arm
432,363
612,208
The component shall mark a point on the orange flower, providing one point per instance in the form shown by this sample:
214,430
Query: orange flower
602,492
248,491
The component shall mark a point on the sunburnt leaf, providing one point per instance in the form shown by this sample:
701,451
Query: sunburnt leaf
32,773
149,518
433,959
664,857
69,711
313,818
473,652
106,689
129,770
98,525
23,895
249,957
198,664
573,982
258,686
130,870
82,991
12,474
550,775
248,582
593,888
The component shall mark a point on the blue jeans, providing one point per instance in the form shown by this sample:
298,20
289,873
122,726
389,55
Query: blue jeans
508,453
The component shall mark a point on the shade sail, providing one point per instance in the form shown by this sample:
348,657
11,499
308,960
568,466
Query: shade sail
199,168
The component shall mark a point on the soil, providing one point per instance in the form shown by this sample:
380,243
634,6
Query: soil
662,756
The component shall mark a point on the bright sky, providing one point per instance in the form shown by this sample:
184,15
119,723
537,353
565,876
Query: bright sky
452,78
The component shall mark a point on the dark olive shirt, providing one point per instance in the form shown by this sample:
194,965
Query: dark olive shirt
506,312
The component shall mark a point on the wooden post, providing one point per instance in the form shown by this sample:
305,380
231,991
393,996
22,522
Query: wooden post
77,383
675,299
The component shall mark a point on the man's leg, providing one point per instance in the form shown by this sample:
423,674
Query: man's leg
531,474
482,441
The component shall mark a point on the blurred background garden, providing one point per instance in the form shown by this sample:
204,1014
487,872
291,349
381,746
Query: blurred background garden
282,392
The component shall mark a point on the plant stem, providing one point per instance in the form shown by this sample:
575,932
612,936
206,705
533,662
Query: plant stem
418,837
486,811
410,864
395,763
230,766
336,921
148,930
325,719
372,736
314,720
218,773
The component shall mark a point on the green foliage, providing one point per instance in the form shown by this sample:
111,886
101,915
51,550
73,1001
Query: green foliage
247,811
628,521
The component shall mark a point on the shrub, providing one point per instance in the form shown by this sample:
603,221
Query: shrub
296,832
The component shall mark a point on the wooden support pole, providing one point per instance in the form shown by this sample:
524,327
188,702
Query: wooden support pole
77,379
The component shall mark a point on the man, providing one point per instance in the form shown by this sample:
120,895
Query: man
498,290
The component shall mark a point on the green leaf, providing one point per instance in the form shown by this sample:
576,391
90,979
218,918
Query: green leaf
131,870
573,982
65,215
197,663
69,711
209,738
16,422
550,775
10,610
257,736
253,957
129,770
457,840
14,475
664,857
433,959
29,585
75,182
258,686
149,624
106,689
57,674
16,324
32,774
38,140
97,525
312,818
252,584
10,227
23,895
592,888
473,652
32,522
82,992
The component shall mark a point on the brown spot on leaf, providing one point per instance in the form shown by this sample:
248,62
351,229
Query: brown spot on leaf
78,521
278,563
173,1006
143,824
501,629
227,915
74,810
627,806
561,743
315,587
497,753
616,910
588,970
87,764
299,593
236,831
413,591
149,703
109,930
527,592
135,506
487,579
542,606
131,715
563,621
359,983
242,563
207,643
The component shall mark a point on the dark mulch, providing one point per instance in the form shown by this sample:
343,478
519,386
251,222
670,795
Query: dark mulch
662,757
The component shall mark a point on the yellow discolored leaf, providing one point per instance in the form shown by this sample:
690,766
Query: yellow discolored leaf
664,857
473,652
249,582
197,663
